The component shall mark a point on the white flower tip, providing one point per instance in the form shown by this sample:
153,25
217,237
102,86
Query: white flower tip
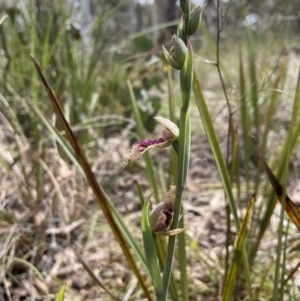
171,126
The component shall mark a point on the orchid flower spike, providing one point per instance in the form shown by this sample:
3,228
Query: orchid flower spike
169,134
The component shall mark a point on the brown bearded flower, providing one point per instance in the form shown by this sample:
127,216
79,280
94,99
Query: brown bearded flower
169,134
161,216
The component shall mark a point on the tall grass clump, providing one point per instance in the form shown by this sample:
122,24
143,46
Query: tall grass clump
50,175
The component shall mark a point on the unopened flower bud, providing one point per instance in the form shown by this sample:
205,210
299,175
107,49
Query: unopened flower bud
195,18
180,28
184,5
177,54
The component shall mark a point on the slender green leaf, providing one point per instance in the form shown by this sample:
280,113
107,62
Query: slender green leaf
213,140
183,264
238,250
61,294
253,79
150,250
184,142
281,166
214,143
290,207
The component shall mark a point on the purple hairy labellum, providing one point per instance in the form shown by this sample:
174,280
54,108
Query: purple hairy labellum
169,134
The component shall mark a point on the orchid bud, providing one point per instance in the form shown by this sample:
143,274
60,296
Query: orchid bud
195,18
177,54
180,28
185,6
182,4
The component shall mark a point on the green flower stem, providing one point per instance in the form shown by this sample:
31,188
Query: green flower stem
186,77
183,260
183,162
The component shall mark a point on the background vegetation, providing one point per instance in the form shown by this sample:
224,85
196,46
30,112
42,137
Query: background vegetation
88,52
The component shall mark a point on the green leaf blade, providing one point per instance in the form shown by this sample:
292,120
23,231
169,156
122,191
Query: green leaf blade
237,255
150,250
61,294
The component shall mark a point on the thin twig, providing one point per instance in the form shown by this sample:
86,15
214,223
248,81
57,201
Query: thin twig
220,22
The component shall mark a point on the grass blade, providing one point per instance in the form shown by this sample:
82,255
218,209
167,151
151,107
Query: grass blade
244,119
281,169
150,251
238,250
215,147
253,79
61,294
214,143
97,189
289,206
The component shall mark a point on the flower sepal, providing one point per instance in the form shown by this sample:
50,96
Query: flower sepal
195,18
177,54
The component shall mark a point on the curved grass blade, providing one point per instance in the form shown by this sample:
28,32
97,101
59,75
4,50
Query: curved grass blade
289,206
290,139
97,189
215,147
150,251
245,119
61,294
253,78
213,140
238,250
